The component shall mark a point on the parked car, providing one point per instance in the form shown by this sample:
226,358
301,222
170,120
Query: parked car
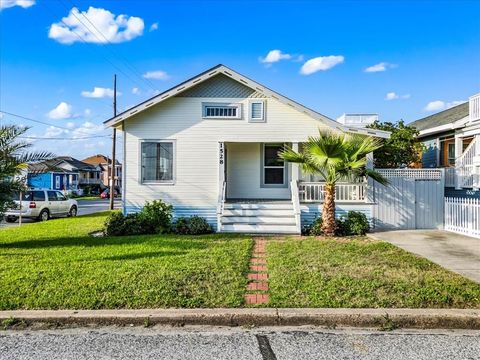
106,194
41,205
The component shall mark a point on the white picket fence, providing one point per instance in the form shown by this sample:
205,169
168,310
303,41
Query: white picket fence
462,215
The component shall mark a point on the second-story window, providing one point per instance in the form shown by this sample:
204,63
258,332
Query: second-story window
221,111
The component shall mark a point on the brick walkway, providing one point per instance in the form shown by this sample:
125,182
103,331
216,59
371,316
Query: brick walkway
257,288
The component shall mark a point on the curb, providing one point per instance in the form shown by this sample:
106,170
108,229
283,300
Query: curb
386,319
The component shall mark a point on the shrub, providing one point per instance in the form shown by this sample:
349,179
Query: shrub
354,223
357,223
114,225
181,226
156,217
194,225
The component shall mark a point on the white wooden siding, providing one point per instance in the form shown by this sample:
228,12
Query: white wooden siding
244,174
197,145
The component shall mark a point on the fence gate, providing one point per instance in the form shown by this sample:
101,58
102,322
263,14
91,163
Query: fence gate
412,200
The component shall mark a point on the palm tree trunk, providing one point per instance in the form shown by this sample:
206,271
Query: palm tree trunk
328,211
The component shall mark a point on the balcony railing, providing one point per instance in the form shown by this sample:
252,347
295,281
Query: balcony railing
344,192
474,107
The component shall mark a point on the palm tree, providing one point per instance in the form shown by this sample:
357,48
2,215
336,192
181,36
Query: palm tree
336,157
14,159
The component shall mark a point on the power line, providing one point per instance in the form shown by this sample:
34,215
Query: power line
125,61
57,138
41,122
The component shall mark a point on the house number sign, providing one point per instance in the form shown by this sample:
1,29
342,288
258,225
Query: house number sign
221,154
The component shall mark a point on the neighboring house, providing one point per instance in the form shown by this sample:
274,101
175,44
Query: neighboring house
209,147
452,141
62,173
104,163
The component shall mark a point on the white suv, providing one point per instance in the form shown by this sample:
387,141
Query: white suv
41,205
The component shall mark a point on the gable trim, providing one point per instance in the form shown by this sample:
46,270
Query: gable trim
222,69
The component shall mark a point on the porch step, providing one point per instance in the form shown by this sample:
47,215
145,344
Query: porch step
258,212
258,206
260,228
276,217
283,220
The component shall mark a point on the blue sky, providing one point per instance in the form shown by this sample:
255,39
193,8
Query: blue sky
423,56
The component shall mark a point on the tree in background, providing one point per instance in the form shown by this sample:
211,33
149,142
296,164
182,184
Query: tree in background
14,159
402,149
335,157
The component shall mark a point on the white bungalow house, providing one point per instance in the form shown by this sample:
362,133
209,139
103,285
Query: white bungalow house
209,147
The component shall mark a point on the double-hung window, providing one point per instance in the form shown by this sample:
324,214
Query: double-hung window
274,173
157,161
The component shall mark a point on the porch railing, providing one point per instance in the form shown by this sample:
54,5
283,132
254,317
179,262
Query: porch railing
465,168
221,204
344,192
294,188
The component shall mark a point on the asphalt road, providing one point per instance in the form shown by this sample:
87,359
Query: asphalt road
84,207
237,343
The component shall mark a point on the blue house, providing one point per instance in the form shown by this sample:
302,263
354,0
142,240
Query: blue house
62,173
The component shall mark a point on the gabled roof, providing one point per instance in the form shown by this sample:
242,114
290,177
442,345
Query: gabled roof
99,159
222,69
444,117
55,165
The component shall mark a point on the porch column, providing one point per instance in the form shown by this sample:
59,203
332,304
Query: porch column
476,163
221,180
458,153
295,168
370,183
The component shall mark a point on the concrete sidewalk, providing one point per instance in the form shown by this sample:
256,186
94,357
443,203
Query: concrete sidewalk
454,252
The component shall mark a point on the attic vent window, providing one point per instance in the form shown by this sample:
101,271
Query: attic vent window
257,111
221,111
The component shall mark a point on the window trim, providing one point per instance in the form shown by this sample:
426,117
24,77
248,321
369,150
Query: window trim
174,167
263,167
250,112
220,104
58,182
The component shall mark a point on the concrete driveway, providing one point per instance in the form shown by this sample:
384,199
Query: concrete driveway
454,252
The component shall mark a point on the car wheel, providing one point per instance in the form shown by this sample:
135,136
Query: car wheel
72,212
11,219
44,215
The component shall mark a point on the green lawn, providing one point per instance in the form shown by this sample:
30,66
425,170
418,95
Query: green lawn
361,273
56,265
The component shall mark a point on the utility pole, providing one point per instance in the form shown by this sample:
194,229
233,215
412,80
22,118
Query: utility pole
114,140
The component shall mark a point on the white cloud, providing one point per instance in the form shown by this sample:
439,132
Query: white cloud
115,29
321,63
88,128
156,75
70,125
394,96
99,92
154,26
391,96
4,4
383,66
135,91
53,131
439,105
62,111
275,56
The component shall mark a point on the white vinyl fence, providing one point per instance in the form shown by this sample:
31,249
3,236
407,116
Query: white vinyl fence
462,215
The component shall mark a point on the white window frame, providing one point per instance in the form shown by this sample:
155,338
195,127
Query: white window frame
174,166
250,111
227,104
57,181
263,167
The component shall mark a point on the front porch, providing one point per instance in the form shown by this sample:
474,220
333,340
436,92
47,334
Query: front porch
259,193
